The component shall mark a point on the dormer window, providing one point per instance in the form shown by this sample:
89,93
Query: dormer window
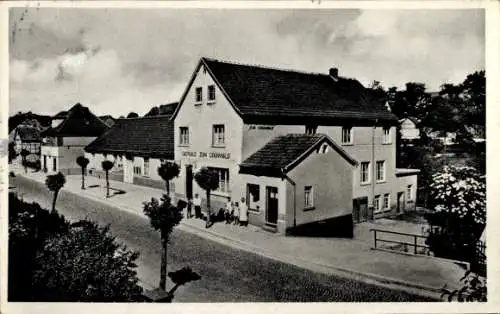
198,95
311,129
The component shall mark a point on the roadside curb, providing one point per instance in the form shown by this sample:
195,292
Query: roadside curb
369,278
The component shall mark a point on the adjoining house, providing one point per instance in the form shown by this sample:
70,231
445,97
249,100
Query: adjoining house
137,146
27,137
65,140
409,130
234,116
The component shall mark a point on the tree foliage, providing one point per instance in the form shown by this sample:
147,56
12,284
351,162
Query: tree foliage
55,183
106,166
163,216
167,171
52,260
458,197
208,180
132,115
83,162
105,269
460,191
474,289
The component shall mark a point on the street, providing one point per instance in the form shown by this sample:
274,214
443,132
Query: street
227,274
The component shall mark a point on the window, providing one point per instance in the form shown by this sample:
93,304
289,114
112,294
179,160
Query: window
253,196
387,201
308,196
218,135
380,171
137,170
365,172
409,192
211,93
183,135
311,129
387,136
346,135
146,167
223,179
377,204
198,95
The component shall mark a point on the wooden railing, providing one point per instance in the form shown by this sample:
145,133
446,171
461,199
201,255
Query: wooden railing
413,243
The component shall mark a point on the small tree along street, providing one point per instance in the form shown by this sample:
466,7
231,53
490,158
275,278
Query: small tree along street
167,171
208,180
163,216
82,162
106,166
55,182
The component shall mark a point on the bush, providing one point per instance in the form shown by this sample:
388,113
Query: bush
51,260
473,289
458,197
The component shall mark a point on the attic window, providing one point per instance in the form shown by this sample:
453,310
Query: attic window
324,148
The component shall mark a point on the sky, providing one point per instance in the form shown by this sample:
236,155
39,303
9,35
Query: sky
120,60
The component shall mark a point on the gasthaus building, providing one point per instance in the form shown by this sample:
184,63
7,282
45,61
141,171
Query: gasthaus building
309,152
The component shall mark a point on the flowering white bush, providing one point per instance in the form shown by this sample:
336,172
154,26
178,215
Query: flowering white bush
461,191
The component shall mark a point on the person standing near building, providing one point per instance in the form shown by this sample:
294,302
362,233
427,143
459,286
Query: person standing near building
236,214
188,208
228,210
243,213
197,206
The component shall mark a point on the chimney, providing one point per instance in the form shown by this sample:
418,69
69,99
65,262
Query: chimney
334,73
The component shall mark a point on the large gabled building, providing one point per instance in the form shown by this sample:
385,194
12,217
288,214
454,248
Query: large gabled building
235,118
137,146
66,139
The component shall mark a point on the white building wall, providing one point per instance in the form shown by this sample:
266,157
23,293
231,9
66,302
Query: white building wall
200,118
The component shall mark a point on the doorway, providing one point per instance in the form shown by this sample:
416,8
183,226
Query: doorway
189,182
44,163
272,205
360,209
54,164
401,202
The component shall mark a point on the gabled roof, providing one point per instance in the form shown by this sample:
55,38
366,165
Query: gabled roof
79,121
266,95
166,109
61,115
147,137
285,152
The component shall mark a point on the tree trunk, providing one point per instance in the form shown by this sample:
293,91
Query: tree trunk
83,178
107,184
208,210
167,186
54,201
163,272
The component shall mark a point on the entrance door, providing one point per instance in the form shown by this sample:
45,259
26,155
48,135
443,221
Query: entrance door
272,205
44,162
401,202
189,181
360,209
54,163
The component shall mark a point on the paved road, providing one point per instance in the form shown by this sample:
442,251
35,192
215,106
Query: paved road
228,275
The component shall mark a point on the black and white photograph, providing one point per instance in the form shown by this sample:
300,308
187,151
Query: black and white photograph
183,154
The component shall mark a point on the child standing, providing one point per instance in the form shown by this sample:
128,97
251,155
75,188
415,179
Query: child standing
197,206
236,214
